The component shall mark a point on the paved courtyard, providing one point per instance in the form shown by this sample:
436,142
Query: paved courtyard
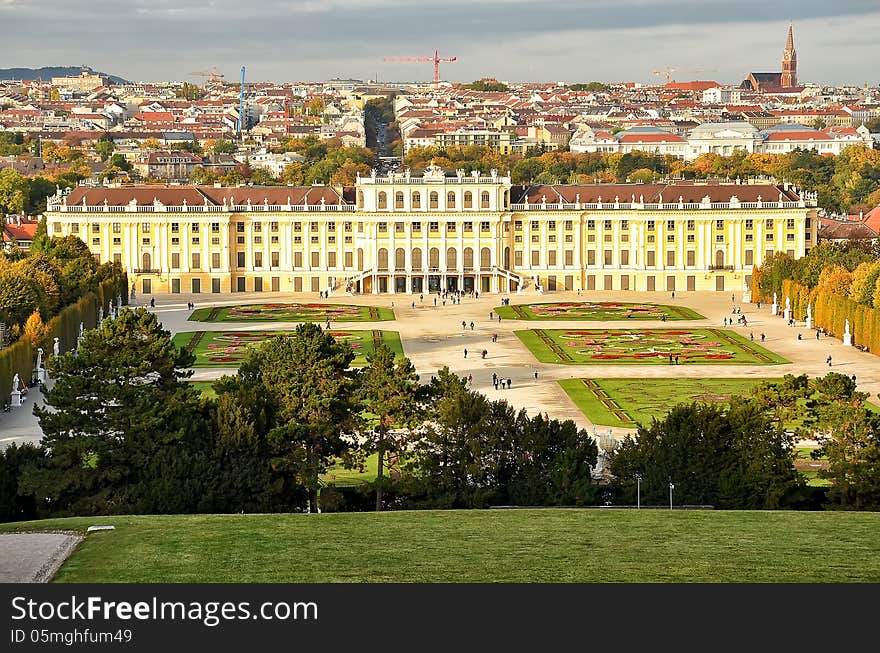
432,336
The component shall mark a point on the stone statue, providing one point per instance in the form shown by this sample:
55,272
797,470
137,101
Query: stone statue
847,336
56,348
81,328
100,314
16,382
774,309
39,357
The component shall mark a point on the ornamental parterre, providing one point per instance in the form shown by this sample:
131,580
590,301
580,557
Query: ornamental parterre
636,345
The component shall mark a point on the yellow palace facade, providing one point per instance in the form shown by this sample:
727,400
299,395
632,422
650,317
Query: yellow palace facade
420,234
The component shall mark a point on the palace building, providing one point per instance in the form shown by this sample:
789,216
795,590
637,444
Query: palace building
414,234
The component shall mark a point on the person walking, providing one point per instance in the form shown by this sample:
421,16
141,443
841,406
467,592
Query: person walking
465,353
673,294
752,336
463,325
435,302
470,379
485,353
762,337
676,359
508,383
800,337
536,376
828,360
490,316
499,319
472,325
494,378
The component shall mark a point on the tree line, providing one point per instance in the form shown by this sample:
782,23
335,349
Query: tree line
124,432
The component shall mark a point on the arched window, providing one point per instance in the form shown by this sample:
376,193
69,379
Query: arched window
360,258
468,259
434,258
506,199
719,259
433,200
383,259
484,199
450,200
383,200
398,200
360,199
468,200
146,261
485,258
416,200
451,258
506,258
416,258
399,259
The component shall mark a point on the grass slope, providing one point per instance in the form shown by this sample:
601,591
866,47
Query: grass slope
477,546
639,400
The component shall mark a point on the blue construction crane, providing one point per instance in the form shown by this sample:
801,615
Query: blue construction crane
241,103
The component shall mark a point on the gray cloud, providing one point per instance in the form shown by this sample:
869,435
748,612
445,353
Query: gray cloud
509,39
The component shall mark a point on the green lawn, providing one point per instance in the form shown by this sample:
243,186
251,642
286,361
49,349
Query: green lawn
628,402
292,312
596,545
229,348
596,311
645,346
205,387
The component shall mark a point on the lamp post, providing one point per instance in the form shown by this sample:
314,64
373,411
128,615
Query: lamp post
638,491
671,488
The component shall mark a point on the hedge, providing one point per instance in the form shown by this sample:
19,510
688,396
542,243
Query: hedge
830,312
21,356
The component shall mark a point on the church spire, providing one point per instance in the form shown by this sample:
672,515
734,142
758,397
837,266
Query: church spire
789,44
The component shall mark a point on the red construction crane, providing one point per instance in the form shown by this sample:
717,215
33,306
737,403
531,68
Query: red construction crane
436,59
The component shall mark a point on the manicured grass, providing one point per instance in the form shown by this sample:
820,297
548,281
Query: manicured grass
596,311
340,477
205,387
292,312
597,545
645,346
229,348
628,402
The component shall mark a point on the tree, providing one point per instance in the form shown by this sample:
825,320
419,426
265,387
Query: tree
849,434
19,297
221,146
731,457
35,331
14,462
316,106
311,404
14,191
486,84
122,428
104,149
391,392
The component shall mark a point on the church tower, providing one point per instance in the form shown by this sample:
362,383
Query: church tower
789,62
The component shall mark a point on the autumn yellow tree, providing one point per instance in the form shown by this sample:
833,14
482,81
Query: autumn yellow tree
35,331
835,279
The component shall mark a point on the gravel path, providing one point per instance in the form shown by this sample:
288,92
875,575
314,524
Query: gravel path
33,557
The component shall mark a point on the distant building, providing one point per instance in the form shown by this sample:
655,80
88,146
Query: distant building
85,82
19,230
781,82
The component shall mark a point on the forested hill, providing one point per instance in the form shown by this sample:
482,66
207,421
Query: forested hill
48,72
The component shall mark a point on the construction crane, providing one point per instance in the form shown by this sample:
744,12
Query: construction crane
213,75
668,71
436,59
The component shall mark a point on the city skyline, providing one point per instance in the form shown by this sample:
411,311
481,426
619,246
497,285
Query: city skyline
518,41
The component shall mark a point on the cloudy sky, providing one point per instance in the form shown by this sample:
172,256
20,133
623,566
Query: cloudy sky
515,40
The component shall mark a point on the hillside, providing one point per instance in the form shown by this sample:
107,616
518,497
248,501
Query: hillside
48,72
478,546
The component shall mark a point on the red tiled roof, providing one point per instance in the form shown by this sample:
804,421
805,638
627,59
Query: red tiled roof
651,138
798,136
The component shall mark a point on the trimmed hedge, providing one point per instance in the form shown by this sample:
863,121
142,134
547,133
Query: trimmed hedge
830,311
22,356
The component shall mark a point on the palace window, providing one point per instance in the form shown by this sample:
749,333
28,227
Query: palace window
314,227
789,224
416,200
145,228
670,224
534,225
383,200
468,227
719,224
691,225
273,227
450,200
568,225
624,225
769,236
258,227
398,200
450,227
484,226
650,225
750,224
398,227
194,228
416,226
484,200
433,200
297,226
215,227
117,228
239,227
551,225
517,225
591,224
433,226
383,227
607,224
468,200
768,223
